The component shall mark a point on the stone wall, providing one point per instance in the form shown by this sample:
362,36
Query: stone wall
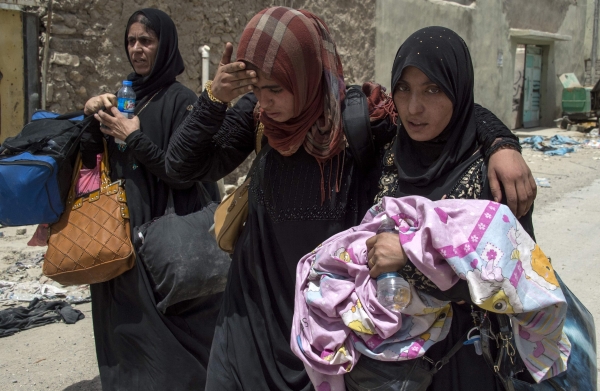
87,56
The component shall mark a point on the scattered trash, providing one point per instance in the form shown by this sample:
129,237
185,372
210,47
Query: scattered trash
532,140
563,122
21,231
24,296
29,291
1,234
37,313
78,299
592,143
542,182
558,139
593,132
555,146
560,151
51,290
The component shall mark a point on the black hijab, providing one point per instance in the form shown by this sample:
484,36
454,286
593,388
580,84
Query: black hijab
425,166
168,63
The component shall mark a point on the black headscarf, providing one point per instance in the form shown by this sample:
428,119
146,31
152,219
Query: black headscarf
168,63
444,58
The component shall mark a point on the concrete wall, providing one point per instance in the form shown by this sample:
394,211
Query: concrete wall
12,83
485,26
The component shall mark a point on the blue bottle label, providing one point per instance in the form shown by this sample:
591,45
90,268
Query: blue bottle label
126,105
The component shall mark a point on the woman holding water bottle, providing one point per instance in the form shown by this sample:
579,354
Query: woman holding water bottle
435,155
138,347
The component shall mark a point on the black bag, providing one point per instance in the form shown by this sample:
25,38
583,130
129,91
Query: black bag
581,373
35,170
357,128
182,258
408,375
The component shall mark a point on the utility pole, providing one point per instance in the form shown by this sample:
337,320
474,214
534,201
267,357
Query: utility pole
46,56
595,42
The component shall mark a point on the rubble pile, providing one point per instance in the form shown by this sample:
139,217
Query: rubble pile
21,277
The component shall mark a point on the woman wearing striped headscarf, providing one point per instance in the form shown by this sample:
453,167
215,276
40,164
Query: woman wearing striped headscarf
305,185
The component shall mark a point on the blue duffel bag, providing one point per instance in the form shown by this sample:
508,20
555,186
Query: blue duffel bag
29,192
36,170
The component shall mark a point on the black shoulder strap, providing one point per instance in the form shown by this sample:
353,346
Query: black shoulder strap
357,127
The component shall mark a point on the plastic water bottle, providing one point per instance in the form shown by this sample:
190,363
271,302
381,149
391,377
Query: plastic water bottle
126,102
393,291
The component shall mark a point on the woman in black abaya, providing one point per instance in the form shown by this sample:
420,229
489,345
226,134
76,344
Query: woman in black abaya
435,154
137,346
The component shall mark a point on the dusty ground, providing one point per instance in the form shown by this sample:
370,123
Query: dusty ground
61,357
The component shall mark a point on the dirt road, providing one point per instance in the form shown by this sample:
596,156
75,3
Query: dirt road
566,219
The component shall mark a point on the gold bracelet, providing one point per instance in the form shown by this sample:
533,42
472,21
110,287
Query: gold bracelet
208,88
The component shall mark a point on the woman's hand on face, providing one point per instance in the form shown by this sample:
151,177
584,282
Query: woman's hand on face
104,101
385,254
508,167
231,79
116,124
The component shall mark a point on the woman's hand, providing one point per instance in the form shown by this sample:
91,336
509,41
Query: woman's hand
385,254
104,101
508,166
231,79
117,125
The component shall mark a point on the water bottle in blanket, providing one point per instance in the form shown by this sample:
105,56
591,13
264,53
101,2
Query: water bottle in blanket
393,291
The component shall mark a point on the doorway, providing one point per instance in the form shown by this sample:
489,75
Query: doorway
527,95
532,86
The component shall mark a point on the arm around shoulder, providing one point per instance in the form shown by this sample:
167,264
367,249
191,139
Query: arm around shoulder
212,141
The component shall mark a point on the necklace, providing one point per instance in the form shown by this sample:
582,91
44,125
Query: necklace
149,100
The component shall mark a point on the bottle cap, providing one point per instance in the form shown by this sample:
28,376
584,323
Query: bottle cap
387,275
127,83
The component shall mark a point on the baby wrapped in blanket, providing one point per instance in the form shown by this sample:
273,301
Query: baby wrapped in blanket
337,316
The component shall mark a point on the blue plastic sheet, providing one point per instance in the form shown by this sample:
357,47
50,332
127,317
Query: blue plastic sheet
560,151
559,140
532,140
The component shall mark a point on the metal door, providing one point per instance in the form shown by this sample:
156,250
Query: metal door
531,88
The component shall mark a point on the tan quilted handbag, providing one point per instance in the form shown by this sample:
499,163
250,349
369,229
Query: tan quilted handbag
91,242
232,212
230,216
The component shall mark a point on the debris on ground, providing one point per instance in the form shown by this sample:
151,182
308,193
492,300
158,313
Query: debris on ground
37,313
591,143
21,277
542,182
556,145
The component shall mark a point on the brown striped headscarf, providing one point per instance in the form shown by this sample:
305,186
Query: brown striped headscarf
294,48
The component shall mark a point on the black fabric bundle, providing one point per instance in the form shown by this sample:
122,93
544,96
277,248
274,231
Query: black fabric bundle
37,313
181,256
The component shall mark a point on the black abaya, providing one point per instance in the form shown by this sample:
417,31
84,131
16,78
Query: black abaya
138,347
251,348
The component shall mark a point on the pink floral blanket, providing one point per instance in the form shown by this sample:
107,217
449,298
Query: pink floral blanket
337,316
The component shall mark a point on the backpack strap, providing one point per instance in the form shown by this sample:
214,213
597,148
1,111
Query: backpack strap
357,127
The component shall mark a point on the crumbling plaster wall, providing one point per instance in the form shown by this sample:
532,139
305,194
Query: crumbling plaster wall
541,15
87,56
485,27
